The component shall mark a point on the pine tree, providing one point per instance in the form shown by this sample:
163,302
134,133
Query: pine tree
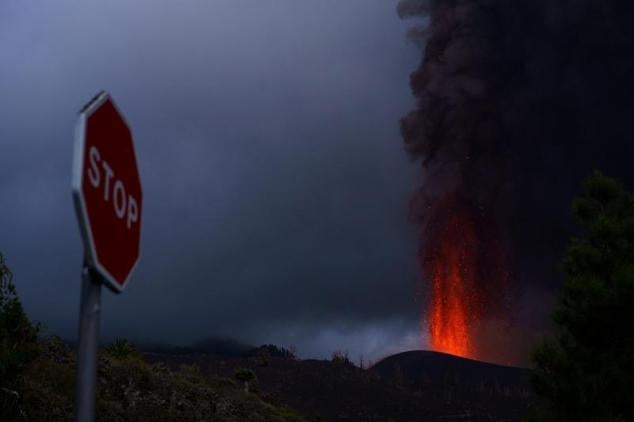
586,371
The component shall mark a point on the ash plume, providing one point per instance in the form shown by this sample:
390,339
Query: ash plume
517,101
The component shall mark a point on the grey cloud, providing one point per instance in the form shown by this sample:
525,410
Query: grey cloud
267,133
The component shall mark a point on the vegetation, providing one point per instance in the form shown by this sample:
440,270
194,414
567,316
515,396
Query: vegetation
245,376
122,349
586,372
18,346
131,389
273,351
340,357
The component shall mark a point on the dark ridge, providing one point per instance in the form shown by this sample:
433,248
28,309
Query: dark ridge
410,386
422,367
221,347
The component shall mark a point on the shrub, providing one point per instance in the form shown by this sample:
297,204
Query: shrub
122,349
246,376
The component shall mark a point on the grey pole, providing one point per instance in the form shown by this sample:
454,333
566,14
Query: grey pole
89,312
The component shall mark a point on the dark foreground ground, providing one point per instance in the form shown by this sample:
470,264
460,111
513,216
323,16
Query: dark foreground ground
189,385
411,386
130,388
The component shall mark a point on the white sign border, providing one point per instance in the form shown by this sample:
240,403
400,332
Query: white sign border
78,196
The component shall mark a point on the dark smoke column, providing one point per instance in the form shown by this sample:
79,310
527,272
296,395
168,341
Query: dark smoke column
517,102
461,205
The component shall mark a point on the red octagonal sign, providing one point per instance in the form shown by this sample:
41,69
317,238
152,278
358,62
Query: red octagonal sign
107,191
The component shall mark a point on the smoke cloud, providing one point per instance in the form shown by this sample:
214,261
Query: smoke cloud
516,103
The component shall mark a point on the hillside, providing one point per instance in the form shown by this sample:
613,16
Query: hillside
411,386
187,384
132,389
422,367
459,386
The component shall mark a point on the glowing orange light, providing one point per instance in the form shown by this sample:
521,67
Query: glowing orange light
450,267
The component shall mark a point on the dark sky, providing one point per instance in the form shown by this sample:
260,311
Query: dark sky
276,186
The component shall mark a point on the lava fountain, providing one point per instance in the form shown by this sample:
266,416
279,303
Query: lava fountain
450,258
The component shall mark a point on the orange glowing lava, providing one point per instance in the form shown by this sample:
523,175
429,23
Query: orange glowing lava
450,261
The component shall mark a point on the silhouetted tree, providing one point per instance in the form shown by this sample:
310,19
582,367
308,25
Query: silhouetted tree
586,371
341,357
273,351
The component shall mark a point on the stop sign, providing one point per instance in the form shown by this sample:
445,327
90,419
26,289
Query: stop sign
107,191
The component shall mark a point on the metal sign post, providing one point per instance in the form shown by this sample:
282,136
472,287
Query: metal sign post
108,201
89,313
